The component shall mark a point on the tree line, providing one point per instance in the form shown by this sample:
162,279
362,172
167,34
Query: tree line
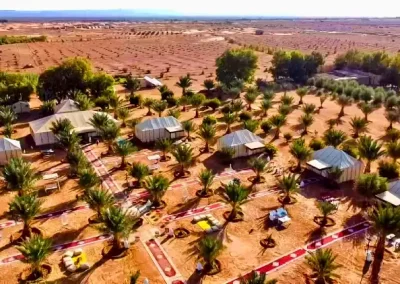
21,39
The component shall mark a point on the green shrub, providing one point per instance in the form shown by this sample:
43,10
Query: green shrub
209,119
393,134
316,144
271,150
388,170
135,100
226,109
172,102
212,103
245,115
266,126
288,136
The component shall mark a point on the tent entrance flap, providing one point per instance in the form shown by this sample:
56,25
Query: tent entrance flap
254,148
174,129
318,165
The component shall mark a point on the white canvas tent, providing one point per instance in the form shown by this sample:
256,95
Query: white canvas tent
21,107
392,196
325,159
9,149
42,135
148,82
160,127
244,142
66,106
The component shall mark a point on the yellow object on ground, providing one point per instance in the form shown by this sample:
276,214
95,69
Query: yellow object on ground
79,259
204,224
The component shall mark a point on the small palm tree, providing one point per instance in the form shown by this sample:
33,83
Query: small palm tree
197,101
117,222
300,151
8,130
268,94
209,249
229,118
258,165
369,150
110,133
301,92
306,121
68,140
250,98
61,125
99,121
207,133
322,99
277,121
392,116
132,84
156,186
148,102
77,162
25,208
47,108
343,101
124,149
189,126
184,82
257,278
265,106
19,175
366,109
251,125
123,115
309,108
88,179
132,125
84,102
184,156
209,84
287,100
206,178
115,103
159,107
98,200
359,125
174,113
326,209
35,251
322,264
334,175
334,137
289,185
385,221
236,194
165,146
139,171
7,115
133,279
285,109
183,101
237,105
369,185
393,150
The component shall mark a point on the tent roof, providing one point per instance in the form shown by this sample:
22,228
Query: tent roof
79,120
239,137
335,158
389,197
158,123
66,106
153,81
21,102
7,144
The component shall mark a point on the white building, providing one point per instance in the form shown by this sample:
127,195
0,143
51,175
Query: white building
9,149
21,107
148,82
161,127
244,142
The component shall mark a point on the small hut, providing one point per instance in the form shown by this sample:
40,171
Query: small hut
244,142
161,127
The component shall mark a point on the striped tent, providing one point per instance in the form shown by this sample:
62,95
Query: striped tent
9,149
328,158
391,196
160,127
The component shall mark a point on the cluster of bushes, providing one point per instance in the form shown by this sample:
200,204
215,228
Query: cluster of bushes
15,87
21,39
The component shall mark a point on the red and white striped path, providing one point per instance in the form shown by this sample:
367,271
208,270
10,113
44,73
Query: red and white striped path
310,247
61,247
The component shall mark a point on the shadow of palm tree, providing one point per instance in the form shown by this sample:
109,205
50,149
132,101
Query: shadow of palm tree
190,204
315,234
68,235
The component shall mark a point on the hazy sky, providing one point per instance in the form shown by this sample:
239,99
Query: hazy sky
319,8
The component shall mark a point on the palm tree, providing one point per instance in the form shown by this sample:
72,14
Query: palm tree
132,84
209,249
392,116
257,278
268,95
183,101
393,150
119,223
277,121
236,194
133,279
285,109
251,125
334,175
197,101
123,115
326,209
115,103
189,126
385,221
132,125
322,99
184,82
207,133
159,107
322,264
35,251
258,165
308,108
156,185
139,171
300,151
301,92
289,185
184,156
366,109
77,162
250,98
306,121
287,100
124,149
98,200
209,85
25,208
265,106
229,118
174,113
61,125
237,105
148,102
99,120
206,178
359,125
334,137
69,140
369,185
7,115
369,150
110,133
8,130
343,101
88,178
165,146
19,175
84,102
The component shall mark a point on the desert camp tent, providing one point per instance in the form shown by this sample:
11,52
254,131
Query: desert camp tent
21,107
160,127
148,82
41,128
325,159
66,106
244,142
392,196
9,149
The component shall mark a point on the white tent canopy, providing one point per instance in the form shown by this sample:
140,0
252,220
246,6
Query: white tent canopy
325,159
66,106
391,196
9,149
160,127
244,142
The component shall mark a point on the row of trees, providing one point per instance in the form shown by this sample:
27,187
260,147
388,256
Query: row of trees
21,39
16,87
